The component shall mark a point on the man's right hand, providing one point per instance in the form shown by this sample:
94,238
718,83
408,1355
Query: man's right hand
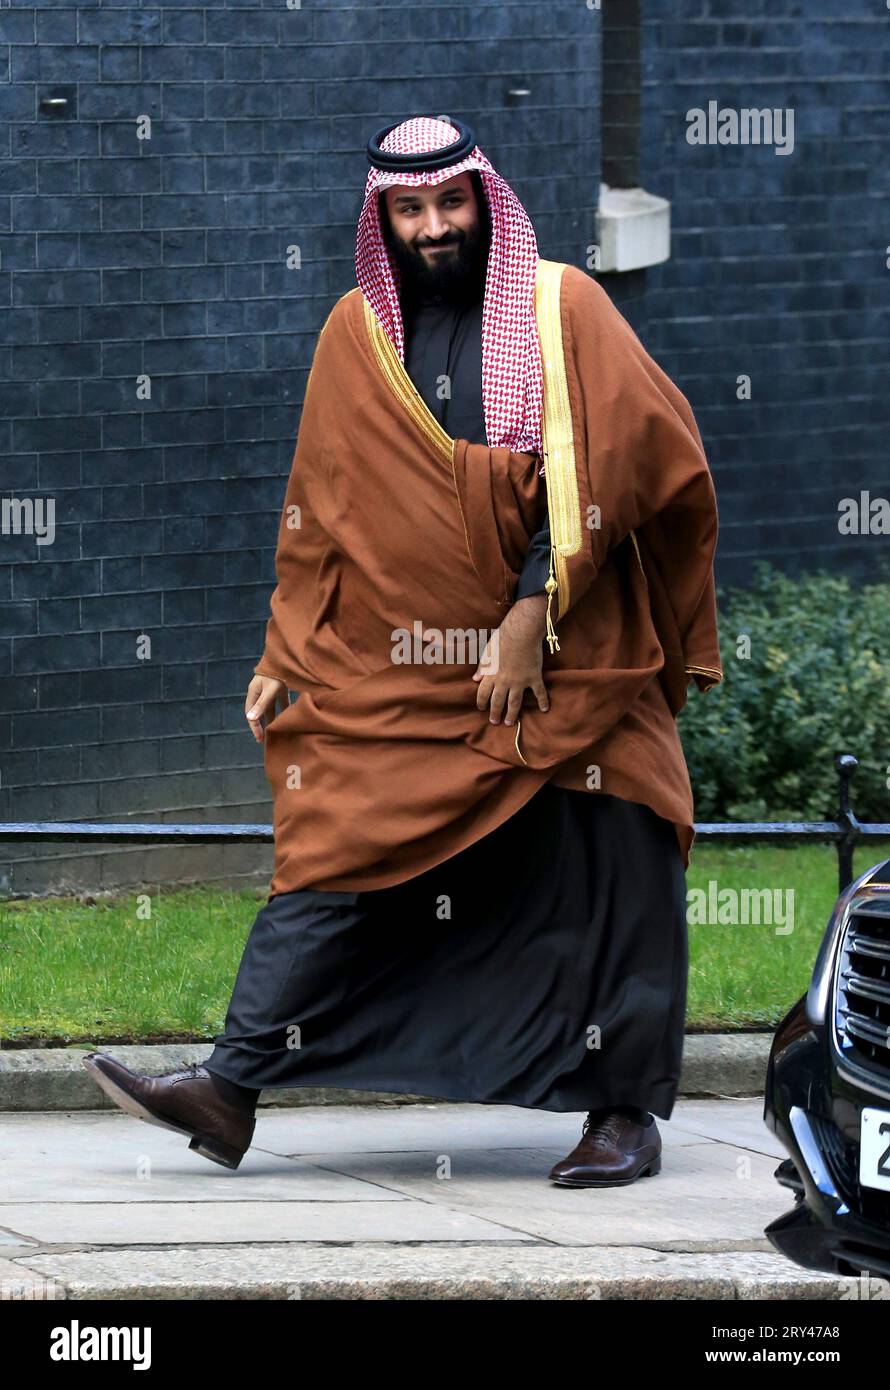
263,697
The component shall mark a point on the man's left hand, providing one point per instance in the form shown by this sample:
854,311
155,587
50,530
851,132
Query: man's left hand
518,644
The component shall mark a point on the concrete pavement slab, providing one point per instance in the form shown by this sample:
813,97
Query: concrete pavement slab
399,1129
739,1123
101,1157
234,1223
418,1200
678,1203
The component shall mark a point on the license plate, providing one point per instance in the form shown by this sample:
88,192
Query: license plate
874,1149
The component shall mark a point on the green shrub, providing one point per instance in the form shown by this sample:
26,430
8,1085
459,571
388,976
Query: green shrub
761,745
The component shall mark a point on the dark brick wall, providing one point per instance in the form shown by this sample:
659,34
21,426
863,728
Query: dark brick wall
778,266
166,258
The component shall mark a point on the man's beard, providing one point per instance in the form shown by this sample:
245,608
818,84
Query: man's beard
458,275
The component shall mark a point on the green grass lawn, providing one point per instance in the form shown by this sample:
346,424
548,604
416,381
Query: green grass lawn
743,976
95,972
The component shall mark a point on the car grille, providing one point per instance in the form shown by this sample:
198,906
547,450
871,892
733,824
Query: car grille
862,989
842,1158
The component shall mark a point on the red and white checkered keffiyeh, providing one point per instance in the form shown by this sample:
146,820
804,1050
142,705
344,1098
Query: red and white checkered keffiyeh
512,383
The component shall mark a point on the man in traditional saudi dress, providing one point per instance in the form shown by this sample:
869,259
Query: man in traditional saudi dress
495,584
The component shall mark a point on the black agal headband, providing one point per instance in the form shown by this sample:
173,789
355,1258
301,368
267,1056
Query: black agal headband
419,163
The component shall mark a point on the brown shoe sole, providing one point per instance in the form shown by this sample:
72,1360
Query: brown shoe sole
204,1144
651,1168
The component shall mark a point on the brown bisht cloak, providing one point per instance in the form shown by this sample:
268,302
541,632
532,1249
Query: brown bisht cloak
379,770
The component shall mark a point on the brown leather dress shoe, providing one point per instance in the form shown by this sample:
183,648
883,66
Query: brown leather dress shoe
186,1101
613,1152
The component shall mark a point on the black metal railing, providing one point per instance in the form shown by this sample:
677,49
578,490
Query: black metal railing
845,830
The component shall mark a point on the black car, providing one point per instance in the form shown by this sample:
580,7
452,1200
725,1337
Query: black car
828,1093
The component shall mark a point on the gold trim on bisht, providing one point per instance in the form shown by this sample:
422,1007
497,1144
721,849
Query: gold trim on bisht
558,444
406,392
633,537
717,675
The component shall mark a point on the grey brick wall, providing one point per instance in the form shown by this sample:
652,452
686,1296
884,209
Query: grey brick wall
165,257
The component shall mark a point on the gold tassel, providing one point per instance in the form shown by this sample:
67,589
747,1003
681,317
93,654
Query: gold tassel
551,587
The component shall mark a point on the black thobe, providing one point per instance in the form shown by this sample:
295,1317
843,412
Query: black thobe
443,357
544,966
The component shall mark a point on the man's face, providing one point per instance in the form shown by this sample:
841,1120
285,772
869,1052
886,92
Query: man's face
436,231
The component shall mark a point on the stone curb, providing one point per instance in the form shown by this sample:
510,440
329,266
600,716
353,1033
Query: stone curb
53,1078
431,1272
